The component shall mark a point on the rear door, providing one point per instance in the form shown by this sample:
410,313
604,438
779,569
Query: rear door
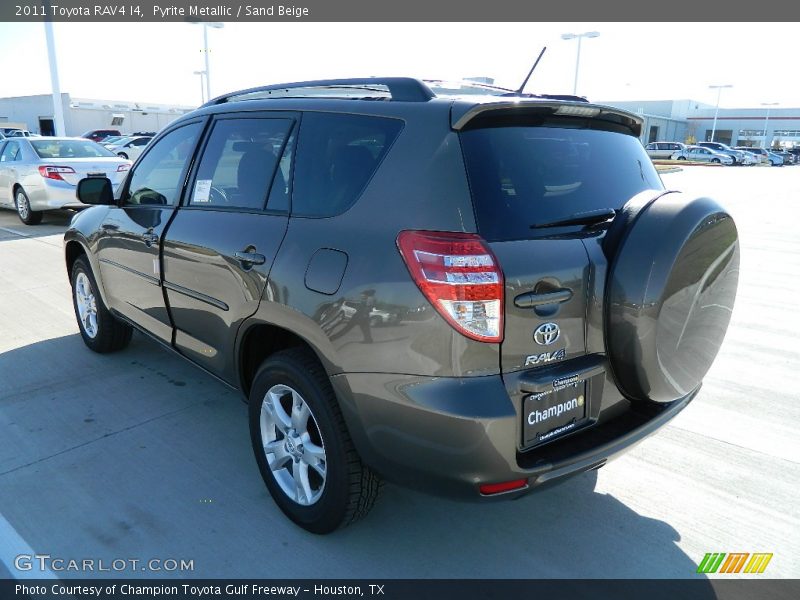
219,249
525,181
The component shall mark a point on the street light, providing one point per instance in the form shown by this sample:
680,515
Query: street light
202,86
580,36
716,112
766,122
206,25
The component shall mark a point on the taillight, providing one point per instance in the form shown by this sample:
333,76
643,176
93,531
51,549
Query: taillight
50,172
123,167
460,277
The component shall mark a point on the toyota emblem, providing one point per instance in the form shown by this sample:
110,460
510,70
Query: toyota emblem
546,334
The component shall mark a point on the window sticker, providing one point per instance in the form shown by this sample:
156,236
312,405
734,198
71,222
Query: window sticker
202,190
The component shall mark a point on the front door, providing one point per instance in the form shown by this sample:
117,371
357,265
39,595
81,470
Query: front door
221,244
131,234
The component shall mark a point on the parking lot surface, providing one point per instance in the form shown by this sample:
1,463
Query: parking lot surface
139,455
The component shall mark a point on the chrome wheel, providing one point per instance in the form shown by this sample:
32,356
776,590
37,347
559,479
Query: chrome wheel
293,445
23,208
87,305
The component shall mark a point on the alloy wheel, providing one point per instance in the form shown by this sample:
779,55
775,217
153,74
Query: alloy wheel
293,445
87,305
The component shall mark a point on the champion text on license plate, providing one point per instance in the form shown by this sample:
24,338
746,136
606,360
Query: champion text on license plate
554,412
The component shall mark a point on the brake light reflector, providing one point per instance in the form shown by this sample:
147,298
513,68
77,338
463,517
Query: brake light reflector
51,172
460,277
496,488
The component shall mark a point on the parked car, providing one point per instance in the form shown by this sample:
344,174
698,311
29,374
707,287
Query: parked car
112,139
249,223
130,147
10,131
97,135
736,155
664,150
759,152
749,158
700,154
38,174
788,157
774,159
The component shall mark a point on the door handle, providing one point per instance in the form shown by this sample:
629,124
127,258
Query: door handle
531,299
250,258
149,239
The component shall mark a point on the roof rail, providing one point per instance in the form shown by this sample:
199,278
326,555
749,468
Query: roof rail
402,89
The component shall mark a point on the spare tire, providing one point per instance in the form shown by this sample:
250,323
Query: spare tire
674,268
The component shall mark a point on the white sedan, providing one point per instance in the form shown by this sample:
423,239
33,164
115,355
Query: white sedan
130,147
41,173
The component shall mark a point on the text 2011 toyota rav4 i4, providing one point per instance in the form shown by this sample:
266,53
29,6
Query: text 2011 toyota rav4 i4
476,295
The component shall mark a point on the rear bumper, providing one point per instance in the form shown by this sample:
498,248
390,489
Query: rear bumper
450,435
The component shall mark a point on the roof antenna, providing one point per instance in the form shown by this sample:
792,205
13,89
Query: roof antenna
524,83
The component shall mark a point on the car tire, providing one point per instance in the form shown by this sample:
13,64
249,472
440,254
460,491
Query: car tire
302,446
122,155
715,160
681,158
24,211
101,331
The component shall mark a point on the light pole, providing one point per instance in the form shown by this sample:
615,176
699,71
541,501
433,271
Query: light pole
716,112
58,106
766,122
202,86
580,36
206,25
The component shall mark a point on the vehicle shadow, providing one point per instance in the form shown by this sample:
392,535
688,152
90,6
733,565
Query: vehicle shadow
138,454
53,223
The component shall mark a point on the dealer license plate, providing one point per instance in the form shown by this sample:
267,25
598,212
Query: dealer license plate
553,413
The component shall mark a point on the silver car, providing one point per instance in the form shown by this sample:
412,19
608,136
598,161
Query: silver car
700,154
38,174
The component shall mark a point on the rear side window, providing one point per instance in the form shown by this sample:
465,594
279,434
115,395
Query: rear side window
523,176
337,155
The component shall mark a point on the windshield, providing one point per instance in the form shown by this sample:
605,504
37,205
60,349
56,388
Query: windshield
521,176
69,149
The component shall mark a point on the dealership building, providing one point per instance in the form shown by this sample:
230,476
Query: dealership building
692,121
35,113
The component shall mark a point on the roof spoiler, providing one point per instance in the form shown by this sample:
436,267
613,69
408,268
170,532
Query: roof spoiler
461,117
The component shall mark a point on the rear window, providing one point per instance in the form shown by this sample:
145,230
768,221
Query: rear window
521,176
337,155
69,149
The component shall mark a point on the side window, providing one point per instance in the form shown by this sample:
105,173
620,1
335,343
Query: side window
140,142
337,155
239,163
651,146
10,152
158,177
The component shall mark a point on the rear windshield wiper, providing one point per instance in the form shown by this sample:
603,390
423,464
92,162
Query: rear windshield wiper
590,217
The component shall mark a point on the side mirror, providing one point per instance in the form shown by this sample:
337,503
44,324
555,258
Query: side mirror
95,190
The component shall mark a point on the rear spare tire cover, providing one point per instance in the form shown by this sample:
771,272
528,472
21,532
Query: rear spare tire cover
670,293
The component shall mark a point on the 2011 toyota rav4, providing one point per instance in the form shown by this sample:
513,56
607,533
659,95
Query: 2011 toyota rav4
551,303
